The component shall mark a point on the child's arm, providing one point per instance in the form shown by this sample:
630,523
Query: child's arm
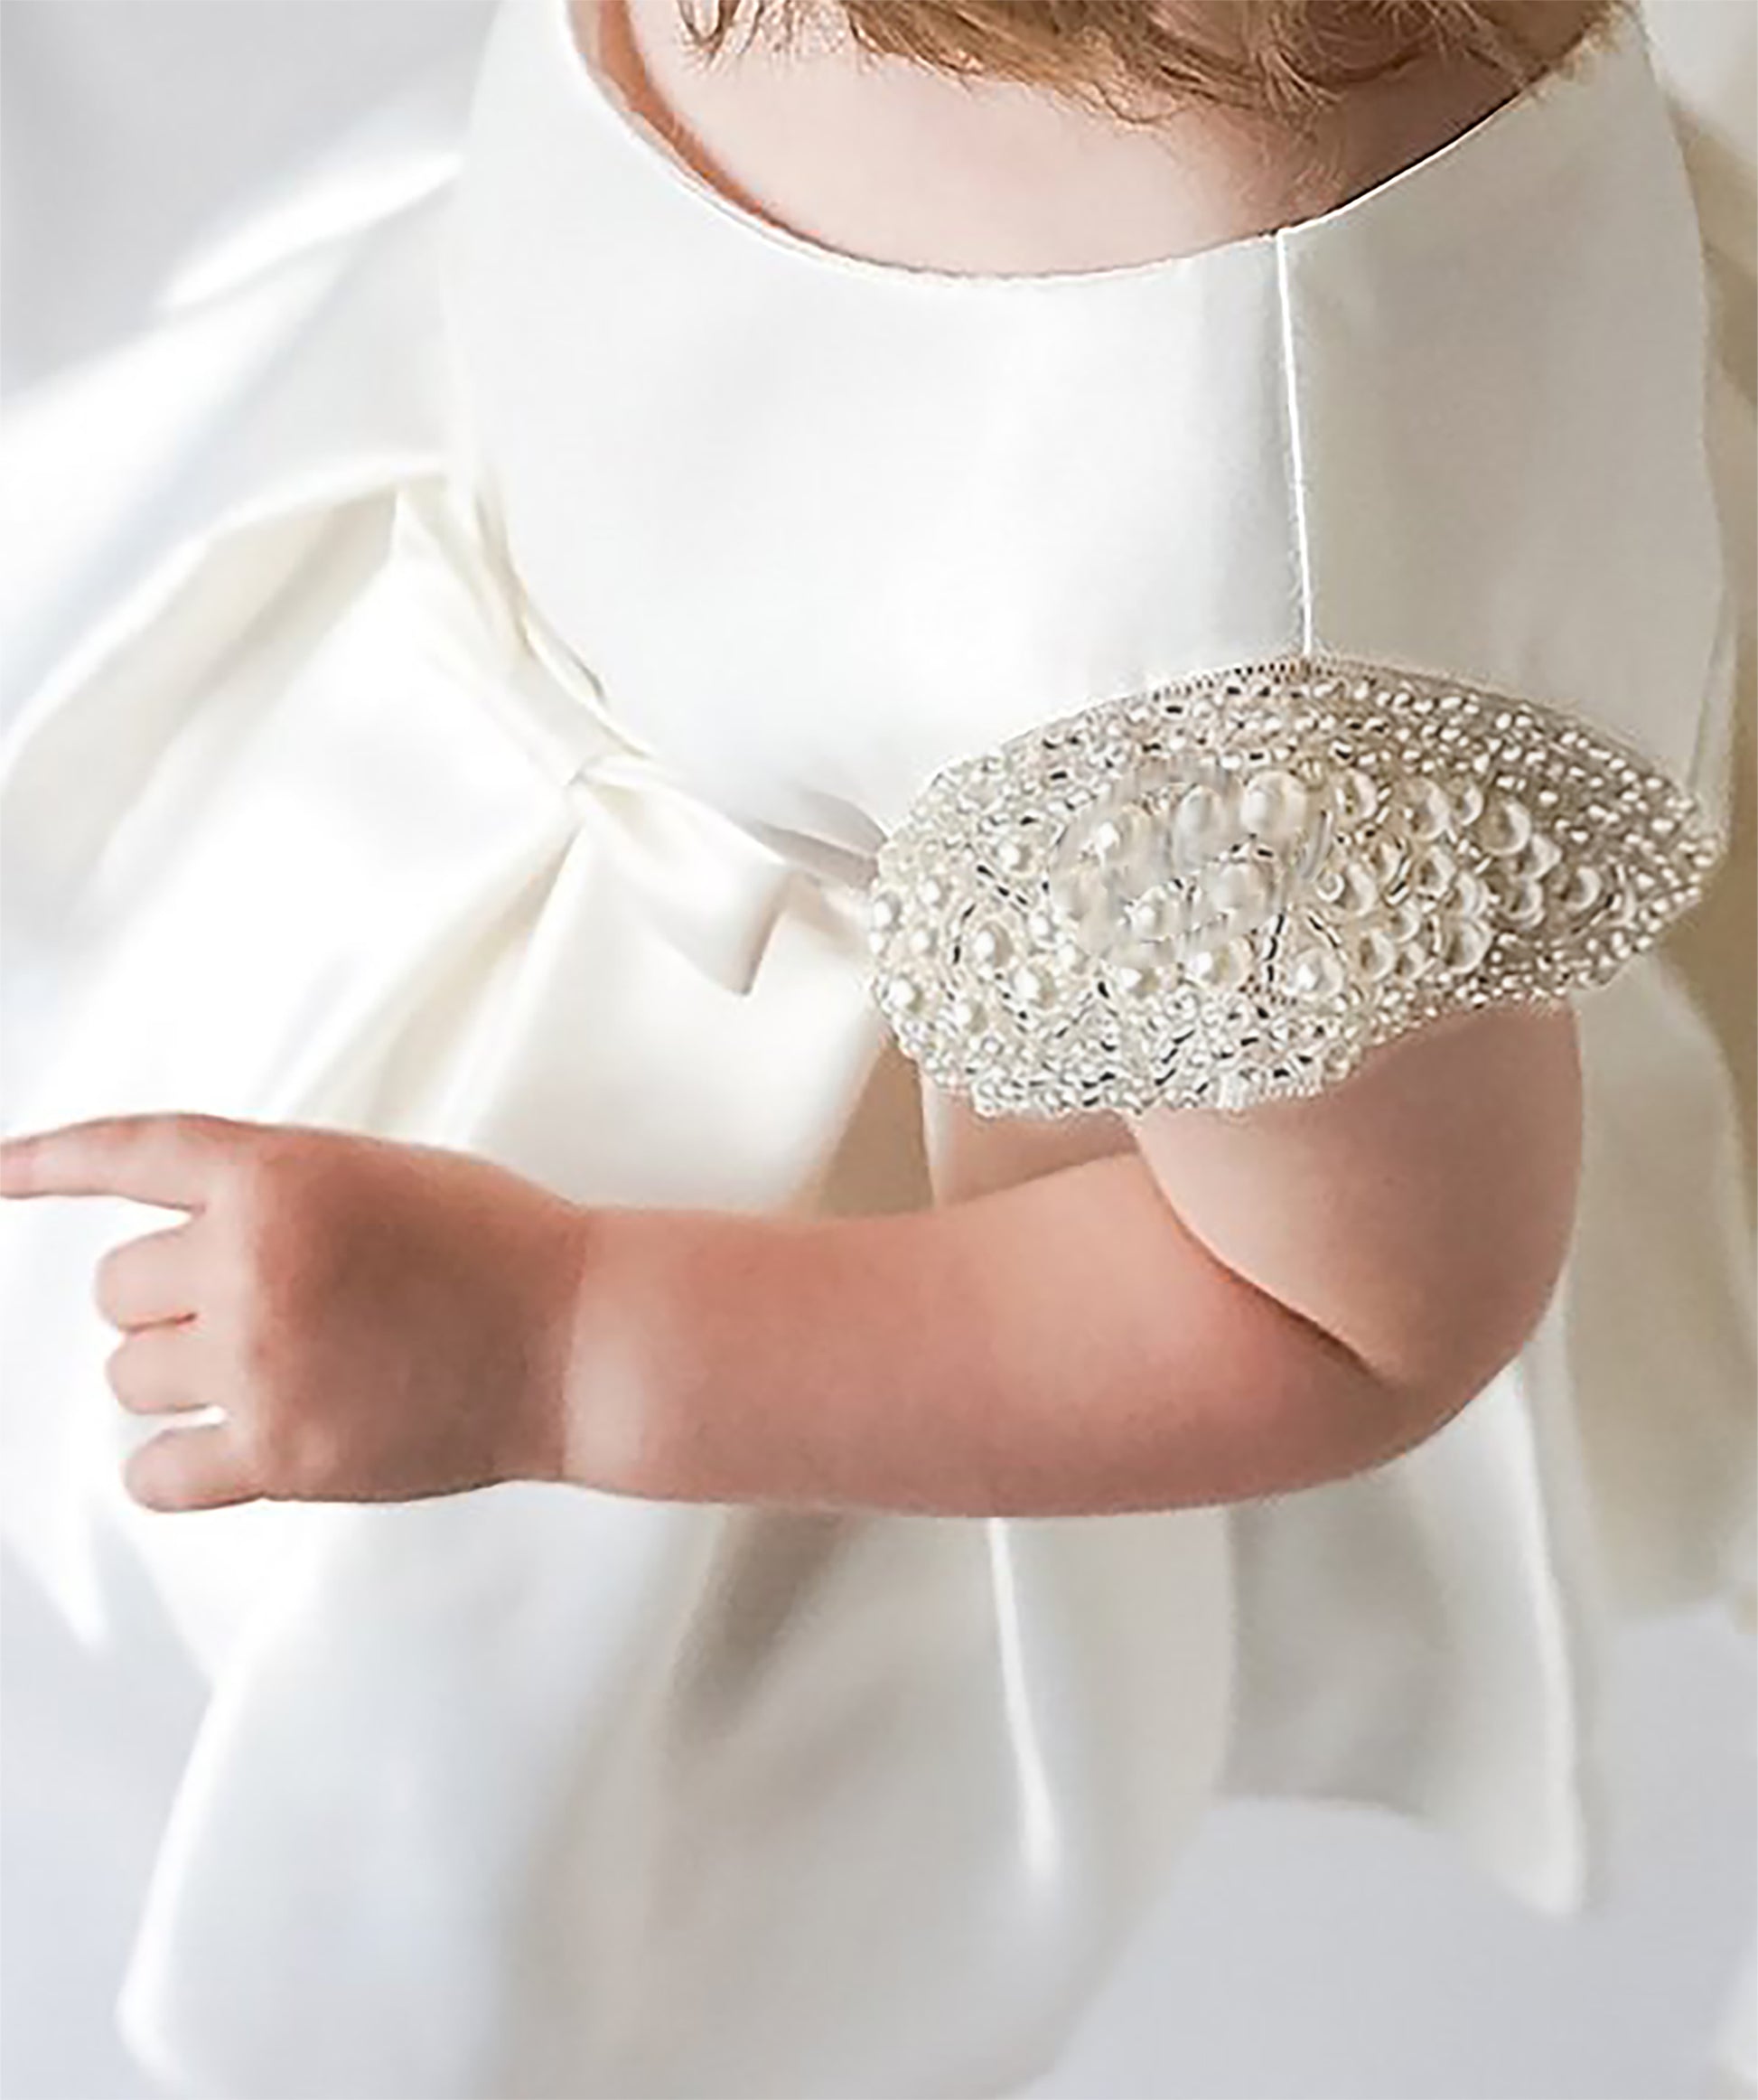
1236,1309
1239,1307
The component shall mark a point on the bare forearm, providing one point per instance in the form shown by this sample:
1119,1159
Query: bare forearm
1059,1346
1224,1310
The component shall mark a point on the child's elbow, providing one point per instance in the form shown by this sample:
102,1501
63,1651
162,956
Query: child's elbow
1414,1223
1403,1385
1464,1288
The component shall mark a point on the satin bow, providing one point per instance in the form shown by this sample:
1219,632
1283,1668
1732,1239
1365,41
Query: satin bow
714,887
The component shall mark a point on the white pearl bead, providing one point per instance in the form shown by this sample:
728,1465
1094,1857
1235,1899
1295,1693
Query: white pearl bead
1132,830
1357,891
1237,889
1538,857
1432,872
1205,823
1110,835
1582,889
989,946
1316,973
1354,796
1373,954
1381,858
1467,799
1274,807
1464,943
1222,968
1158,917
1470,894
1137,970
1429,812
1505,826
1069,889
1525,904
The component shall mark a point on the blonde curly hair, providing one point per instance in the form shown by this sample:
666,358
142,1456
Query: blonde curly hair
1288,59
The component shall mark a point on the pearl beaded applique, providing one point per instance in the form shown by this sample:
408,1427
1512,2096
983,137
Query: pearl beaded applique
1228,890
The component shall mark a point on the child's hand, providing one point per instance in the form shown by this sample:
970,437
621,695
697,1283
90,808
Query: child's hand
377,1321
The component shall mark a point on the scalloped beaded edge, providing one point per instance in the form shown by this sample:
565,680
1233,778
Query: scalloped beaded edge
1226,890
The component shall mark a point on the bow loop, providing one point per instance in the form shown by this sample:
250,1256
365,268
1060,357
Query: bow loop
712,887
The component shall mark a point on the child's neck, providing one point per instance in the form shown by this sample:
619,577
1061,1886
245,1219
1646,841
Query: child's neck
884,158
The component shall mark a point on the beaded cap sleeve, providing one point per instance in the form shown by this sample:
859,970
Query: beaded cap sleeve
1227,891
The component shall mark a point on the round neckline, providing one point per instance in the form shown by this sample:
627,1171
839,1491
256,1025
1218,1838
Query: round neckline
647,146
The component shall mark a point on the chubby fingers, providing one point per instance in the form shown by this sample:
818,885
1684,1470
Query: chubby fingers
148,1280
162,1371
159,1371
172,1160
156,1370
201,1466
152,1289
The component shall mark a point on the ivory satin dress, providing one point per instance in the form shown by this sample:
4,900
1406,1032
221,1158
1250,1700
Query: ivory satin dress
560,667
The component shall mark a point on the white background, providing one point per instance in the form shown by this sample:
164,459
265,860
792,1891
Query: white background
1304,1953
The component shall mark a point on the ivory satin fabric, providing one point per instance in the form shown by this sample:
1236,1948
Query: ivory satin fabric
465,665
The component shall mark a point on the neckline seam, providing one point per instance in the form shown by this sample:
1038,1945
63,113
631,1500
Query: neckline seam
641,140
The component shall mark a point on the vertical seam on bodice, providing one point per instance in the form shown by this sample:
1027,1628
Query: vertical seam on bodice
1295,455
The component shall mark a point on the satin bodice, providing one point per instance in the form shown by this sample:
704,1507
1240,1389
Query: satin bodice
818,525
